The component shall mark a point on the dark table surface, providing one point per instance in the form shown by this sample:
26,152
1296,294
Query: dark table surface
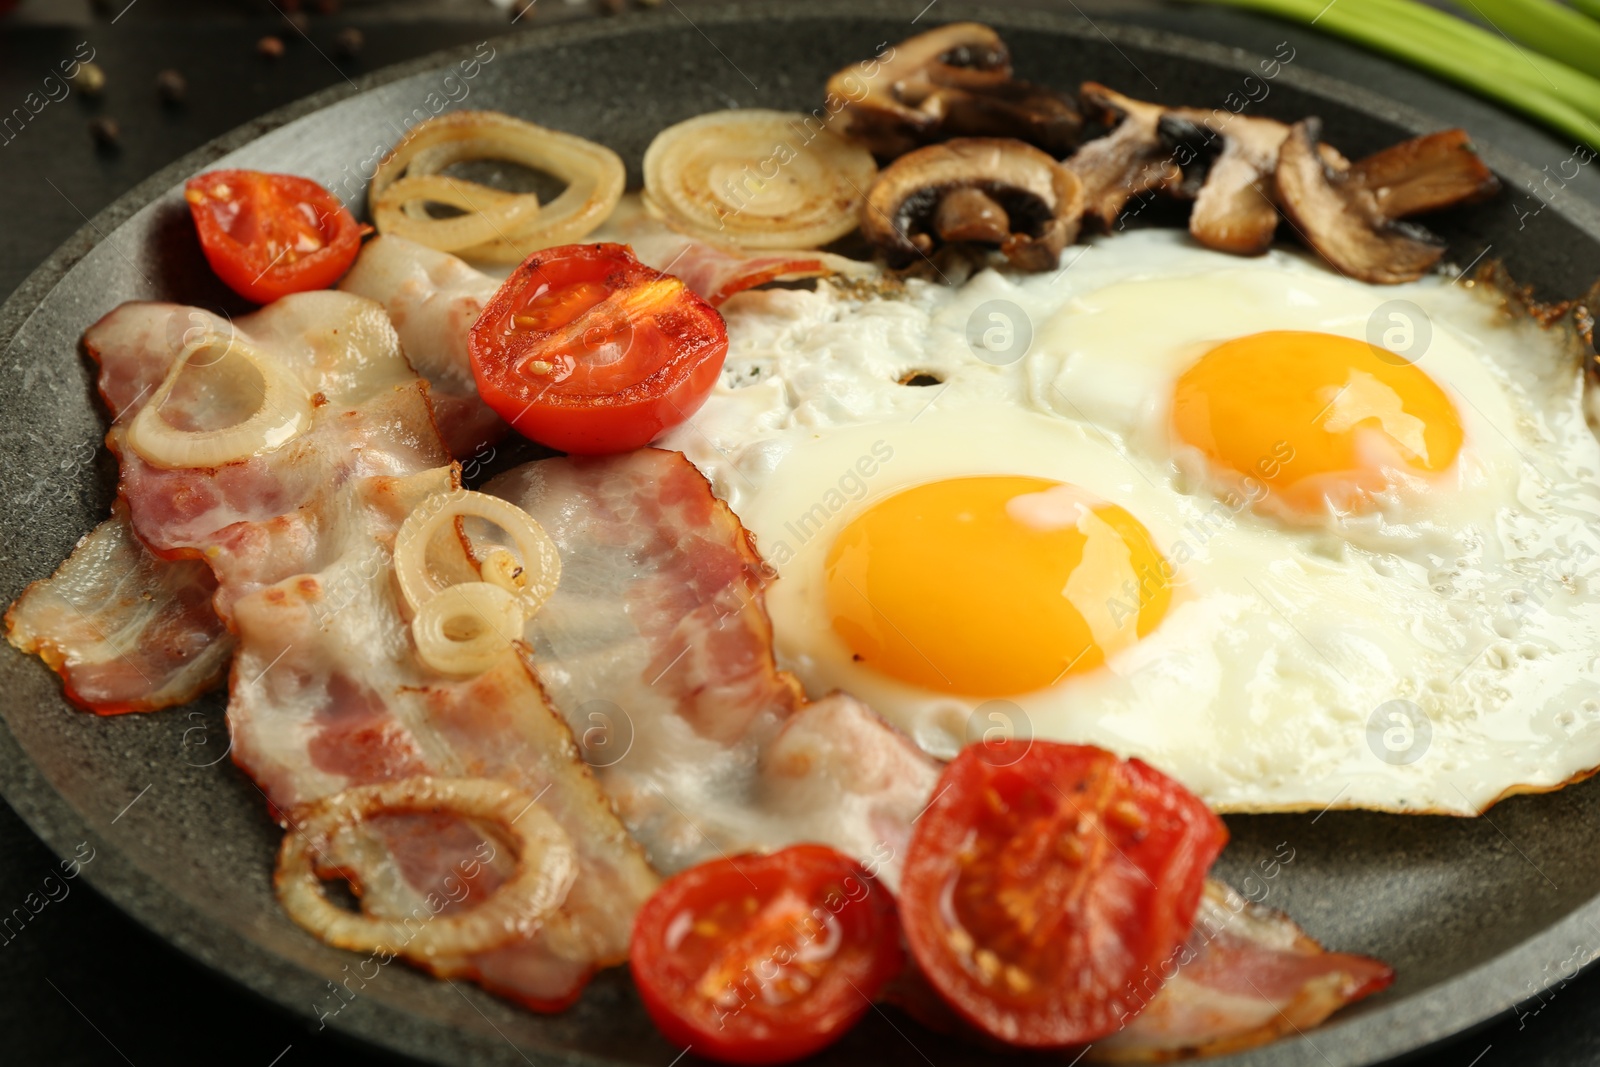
82,984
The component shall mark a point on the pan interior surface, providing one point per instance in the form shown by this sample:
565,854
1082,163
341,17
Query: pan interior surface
1473,914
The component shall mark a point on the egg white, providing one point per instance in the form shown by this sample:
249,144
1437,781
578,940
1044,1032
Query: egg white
1273,682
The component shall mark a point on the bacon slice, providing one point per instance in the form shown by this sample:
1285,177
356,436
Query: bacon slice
433,299
659,650
126,631
1248,975
326,691
717,274
712,272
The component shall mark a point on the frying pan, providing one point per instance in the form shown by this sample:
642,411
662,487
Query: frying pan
1476,915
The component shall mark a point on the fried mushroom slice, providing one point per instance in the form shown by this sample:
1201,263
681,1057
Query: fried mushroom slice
980,190
1427,173
1340,218
884,111
1233,208
954,81
1129,161
1042,117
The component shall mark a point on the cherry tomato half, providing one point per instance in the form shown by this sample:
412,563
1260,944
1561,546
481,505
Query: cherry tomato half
1042,881
588,350
268,235
765,959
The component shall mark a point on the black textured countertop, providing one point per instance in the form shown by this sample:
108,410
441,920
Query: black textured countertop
81,984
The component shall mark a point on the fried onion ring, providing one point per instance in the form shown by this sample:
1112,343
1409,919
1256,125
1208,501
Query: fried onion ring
281,412
510,225
544,873
487,212
531,576
757,179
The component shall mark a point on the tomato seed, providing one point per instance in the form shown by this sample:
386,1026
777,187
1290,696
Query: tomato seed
1070,849
1127,815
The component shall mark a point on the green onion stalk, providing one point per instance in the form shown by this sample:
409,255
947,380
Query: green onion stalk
1543,88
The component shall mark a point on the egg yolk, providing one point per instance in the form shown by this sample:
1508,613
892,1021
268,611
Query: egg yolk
993,585
1319,420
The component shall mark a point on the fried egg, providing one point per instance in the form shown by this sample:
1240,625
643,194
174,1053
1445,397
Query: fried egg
1298,541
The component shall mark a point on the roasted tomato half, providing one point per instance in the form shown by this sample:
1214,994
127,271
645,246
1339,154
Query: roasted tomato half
588,350
1043,879
268,235
765,959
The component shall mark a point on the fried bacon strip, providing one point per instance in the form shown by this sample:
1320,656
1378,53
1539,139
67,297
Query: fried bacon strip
125,630
433,298
1248,975
659,650
326,692
714,273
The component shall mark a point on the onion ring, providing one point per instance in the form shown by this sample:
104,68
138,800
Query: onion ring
283,412
544,873
757,179
489,212
594,175
531,580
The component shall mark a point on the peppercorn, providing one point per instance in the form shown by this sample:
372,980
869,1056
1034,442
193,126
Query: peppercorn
172,86
349,42
90,79
105,131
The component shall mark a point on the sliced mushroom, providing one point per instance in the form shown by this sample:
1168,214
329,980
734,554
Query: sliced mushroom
1233,208
982,190
1426,173
954,81
1127,162
1340,217
1042,117
886,117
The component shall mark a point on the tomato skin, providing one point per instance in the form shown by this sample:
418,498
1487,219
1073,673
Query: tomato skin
705,959
268,235
634,351
1048,888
